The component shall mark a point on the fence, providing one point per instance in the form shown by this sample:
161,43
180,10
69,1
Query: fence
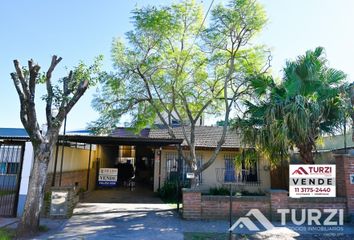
11,158
197,206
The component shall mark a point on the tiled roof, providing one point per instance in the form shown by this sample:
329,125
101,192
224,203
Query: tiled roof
129,133
205,136
13,133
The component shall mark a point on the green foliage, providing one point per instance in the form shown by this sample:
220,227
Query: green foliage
219,191
168,192
6,192
247,156
222,191
247,193
295,113
47,196
174,62
43,228
7,234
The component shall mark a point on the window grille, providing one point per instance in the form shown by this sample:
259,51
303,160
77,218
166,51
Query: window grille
245,174
172,167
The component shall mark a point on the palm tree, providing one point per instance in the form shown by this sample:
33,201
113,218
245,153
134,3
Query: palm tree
295,113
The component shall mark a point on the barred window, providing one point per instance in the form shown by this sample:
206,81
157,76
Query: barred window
172,167
245,174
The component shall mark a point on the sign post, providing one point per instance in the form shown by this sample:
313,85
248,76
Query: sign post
108,177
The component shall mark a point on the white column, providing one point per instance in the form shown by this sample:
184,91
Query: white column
26,171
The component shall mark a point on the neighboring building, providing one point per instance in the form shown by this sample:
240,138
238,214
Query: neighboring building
327,147
336,143
16,155
152,152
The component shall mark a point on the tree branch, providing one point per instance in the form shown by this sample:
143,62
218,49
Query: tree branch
49,86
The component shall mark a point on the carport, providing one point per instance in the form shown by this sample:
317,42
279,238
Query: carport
112,149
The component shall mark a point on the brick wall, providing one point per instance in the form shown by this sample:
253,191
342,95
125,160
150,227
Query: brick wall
278,200
345,167
68,179
196,206
319,203
191,204
217,207
340,183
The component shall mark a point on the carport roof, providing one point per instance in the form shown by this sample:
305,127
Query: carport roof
120,140
21,134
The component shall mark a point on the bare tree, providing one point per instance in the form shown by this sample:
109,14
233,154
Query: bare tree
74,86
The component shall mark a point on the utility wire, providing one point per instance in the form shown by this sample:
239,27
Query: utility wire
199,30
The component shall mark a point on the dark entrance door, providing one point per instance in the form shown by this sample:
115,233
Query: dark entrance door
11,159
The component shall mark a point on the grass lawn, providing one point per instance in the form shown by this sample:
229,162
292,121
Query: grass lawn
213,236
7,234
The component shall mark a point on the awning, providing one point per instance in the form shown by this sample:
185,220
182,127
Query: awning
120,140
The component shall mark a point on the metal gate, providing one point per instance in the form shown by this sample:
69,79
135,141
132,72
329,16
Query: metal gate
11,159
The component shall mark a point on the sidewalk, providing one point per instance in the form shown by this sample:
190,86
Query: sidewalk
161,221
5,222
106,221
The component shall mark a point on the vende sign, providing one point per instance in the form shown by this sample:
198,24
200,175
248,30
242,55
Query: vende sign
312,180
108,177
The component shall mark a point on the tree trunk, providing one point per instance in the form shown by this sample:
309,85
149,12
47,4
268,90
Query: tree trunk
195,170
306,154
29,223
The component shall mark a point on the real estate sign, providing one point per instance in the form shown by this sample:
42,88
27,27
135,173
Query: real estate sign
108,177
59,203
312,180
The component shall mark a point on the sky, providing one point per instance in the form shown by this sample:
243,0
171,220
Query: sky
82,29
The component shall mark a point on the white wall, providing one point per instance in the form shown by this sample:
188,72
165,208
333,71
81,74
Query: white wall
74,159
26,171
209,175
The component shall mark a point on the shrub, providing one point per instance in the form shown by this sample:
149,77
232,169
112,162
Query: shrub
247,193
219,191
225,191
168,192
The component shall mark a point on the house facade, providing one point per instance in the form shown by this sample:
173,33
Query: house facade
155,158
77,158
255,178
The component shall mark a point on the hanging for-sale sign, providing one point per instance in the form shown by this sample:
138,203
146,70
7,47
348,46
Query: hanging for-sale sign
108,177
312,180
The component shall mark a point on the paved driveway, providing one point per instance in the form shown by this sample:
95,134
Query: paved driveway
157,221
149,218
120,221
